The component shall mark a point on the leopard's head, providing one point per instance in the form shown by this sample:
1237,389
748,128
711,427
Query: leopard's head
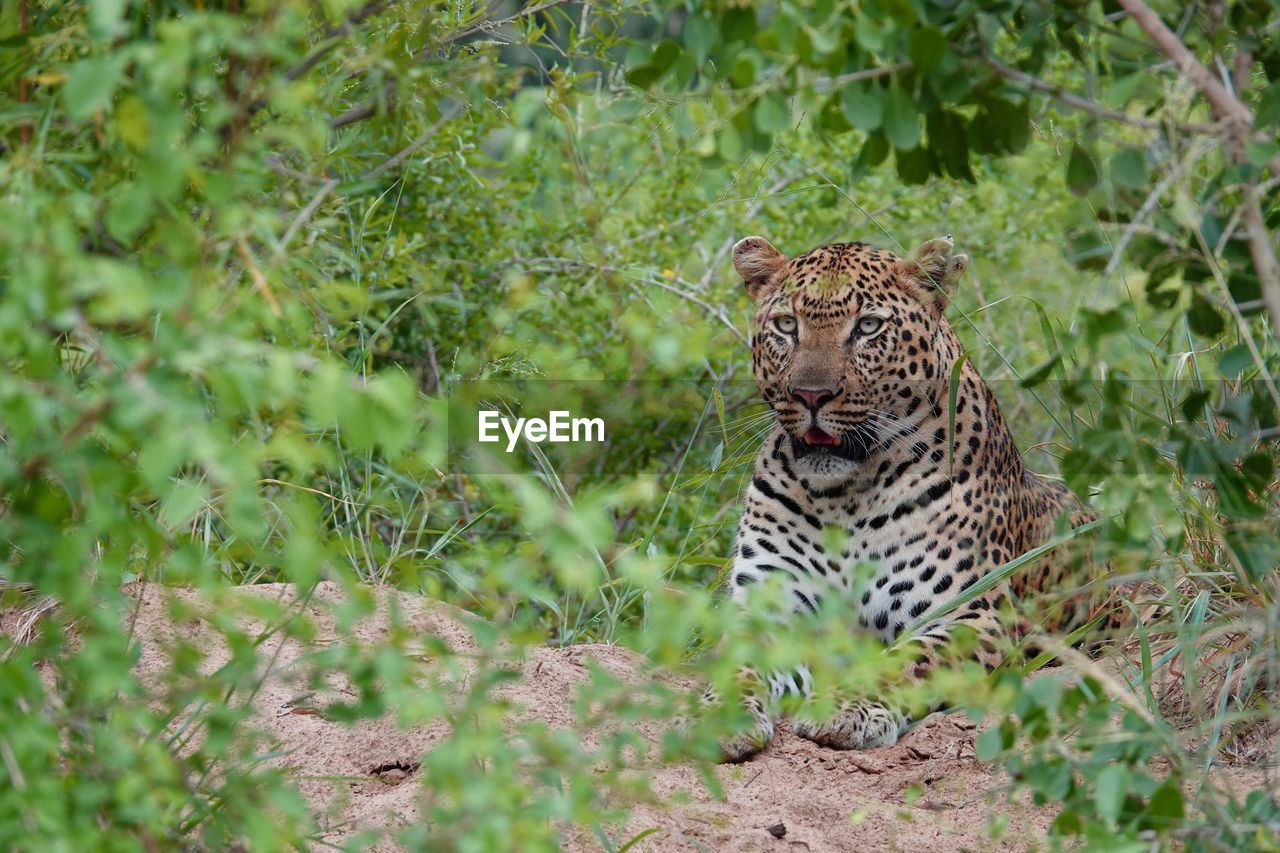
850,346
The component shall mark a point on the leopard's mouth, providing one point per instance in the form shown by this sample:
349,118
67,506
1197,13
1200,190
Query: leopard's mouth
816,436
854,444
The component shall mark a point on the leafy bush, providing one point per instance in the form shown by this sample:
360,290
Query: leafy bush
252,257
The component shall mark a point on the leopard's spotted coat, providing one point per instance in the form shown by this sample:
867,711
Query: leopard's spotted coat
852,351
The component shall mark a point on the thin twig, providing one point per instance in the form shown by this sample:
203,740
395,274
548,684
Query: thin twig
1084,104
334,37
828,84
408,151
1223,102
1149,205
487,26
304,216
1225,105
370,108
686,293
366,110
1263,255
1239,120
1058,93
24,86
755,207
331,184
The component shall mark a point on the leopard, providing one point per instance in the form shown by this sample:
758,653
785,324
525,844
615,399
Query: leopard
884,429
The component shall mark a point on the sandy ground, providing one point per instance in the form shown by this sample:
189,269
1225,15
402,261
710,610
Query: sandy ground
927,793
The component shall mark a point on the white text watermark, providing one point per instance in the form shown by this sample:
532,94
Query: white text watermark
558,427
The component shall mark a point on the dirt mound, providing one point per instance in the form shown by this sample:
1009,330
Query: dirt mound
927,793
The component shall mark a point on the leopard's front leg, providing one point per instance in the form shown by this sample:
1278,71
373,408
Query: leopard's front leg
742,745
870,723
860,724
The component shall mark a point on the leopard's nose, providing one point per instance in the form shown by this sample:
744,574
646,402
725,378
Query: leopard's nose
813,398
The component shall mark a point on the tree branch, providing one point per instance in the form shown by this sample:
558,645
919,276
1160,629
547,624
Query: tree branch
391,162
1224,104
1263,255
366,110
1058,93
1238,119
552,264
486,26
334,37
828,83
370,108
90,416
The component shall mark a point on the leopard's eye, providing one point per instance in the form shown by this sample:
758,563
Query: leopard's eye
869,325
785,323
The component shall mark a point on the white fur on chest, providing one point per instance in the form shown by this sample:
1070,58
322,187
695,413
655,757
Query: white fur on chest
885,571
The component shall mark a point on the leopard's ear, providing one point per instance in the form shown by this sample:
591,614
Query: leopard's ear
758,263
932,271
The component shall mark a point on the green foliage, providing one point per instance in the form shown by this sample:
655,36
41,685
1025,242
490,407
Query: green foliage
251,257
1065,744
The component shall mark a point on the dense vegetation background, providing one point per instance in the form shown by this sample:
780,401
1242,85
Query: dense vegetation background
249,250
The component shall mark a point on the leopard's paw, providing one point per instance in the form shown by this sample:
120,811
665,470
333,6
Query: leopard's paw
857,725
741,746
737,747
757,735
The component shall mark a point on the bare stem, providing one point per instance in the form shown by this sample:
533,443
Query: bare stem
1238,120
1070,99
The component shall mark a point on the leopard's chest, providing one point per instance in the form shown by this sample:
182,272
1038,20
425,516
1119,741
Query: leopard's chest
890,556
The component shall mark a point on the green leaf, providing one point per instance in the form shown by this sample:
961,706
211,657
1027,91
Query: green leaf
91,84
870,32
1166,807
1110,790
700,35
949,142
901,124
988,745
1268,111
636,839
915,167
1005,126
648,71
824,40
1204,318
1042,371
743,73
182,503
926,48
771,114
863,106
129,212
105,18
1261,153
1124,89
643,76
1082,171
729,144
1235,361
1129,169
666,55
873,153
831,117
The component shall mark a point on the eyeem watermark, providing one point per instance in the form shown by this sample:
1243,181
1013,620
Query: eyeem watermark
559,427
